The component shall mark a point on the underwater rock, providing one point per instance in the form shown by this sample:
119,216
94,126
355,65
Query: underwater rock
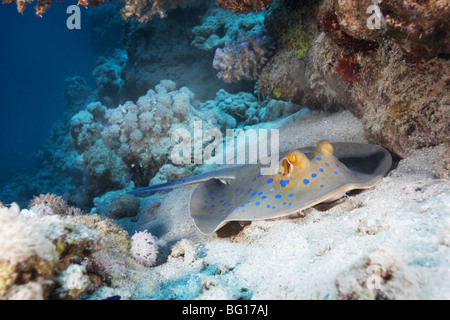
420,27
401,97
117,205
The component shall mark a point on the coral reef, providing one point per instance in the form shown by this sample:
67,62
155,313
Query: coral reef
56,204
116,205
144,10
244,6
77,94
219,26
108,79
388,77
243,58
56,257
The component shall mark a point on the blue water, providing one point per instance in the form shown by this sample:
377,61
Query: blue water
36,55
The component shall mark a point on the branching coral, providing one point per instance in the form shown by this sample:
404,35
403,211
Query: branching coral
243,58
244,6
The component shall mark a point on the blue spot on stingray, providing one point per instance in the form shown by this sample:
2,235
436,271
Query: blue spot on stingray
279,172
280,159
260,193
305,181
242,206
263,197
230,209
283,203
321,185
278,196
259,175
243,210
273,207
314,175
221,210
270,180
211,198
222,195
206,200
337,164
289,203
253,194
212,206
268,206
249,190
326,163
336,172
242,180
237,190
321,170
220,201
319,158
291,195
257,203
284,183
247,202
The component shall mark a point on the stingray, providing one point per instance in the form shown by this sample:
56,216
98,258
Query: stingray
304,178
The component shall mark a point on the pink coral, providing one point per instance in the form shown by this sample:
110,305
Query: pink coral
243,58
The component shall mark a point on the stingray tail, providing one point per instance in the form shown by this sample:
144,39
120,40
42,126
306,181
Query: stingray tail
168,186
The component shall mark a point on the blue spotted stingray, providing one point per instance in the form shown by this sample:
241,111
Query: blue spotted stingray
304,178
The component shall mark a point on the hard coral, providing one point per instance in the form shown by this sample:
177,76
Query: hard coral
144,10
56,203
244,6
243,58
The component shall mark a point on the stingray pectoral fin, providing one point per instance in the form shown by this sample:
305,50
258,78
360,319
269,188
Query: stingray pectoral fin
207,220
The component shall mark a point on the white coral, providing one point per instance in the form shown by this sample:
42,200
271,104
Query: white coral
21,237
144,248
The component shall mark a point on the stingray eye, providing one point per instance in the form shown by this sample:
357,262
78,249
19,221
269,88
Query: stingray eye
292,158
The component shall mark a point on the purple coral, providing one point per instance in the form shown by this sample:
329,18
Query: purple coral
243,58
